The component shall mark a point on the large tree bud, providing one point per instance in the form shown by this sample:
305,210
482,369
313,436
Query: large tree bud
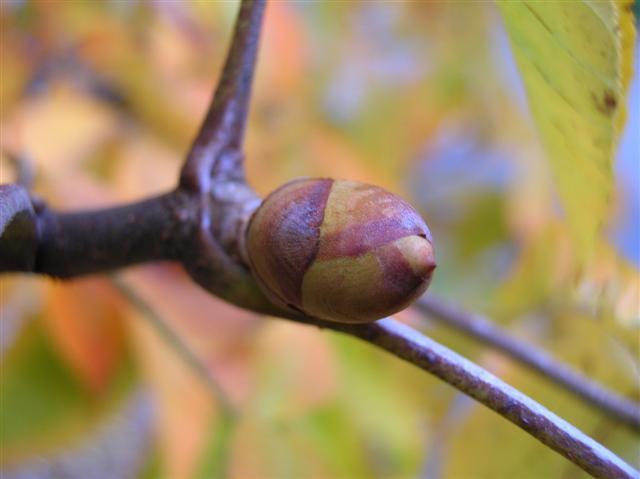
339,250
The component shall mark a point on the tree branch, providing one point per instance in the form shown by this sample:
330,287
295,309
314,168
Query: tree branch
475,326
408,344
217,150
65,245
17,229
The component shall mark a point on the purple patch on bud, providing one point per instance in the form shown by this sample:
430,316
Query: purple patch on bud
361,238
287,229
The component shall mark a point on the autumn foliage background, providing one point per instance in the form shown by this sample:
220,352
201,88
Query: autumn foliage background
423,98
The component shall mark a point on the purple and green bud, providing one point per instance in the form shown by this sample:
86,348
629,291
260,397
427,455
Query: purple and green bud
340,250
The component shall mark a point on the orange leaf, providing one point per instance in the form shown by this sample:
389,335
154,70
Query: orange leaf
84,319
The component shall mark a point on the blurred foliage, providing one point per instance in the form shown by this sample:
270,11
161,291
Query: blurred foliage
576,60
423,98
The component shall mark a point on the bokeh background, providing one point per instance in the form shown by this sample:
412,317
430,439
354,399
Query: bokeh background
423,98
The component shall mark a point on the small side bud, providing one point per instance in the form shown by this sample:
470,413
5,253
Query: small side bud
340,250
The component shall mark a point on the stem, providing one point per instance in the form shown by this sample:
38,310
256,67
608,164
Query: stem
415,348
616,406
176,343
73,244
225,424
217,150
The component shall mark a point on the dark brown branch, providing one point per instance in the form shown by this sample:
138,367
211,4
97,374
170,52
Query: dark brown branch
217,150
408,344
17,229
616,406
65,245
214,173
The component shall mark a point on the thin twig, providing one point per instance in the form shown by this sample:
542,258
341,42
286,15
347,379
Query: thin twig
616,406
176,343
225,424
410,345
216,151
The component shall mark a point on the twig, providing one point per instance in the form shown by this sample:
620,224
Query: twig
408,344
175,342
219,453
616,406
216,151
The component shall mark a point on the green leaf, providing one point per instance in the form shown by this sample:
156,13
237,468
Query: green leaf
152,468
380,407
329,432
575,59
216,454
43,406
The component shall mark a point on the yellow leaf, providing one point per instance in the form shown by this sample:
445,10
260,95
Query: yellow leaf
627,42
576,62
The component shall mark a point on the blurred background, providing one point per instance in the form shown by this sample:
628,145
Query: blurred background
423,98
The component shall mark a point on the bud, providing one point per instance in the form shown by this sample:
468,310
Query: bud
339,250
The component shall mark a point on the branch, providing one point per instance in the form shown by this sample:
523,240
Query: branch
17,229
408,344
201,224
65,245
216,151
616,406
